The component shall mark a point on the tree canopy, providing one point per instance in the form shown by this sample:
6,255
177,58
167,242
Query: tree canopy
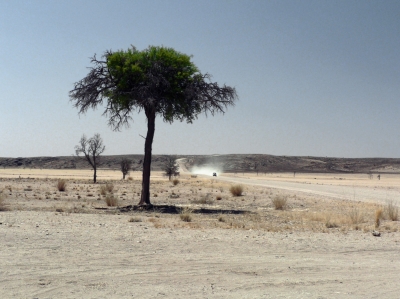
158,80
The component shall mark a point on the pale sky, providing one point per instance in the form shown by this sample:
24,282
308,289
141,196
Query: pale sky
314,78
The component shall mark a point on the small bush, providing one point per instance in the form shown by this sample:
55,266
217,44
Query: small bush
186,215
110,188
279,202
107,188
103,190
175,182
62,185
130,178
329,223
111,200
392,211
236,190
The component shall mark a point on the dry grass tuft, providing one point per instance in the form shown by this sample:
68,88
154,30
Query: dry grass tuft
205,200
392,211
62,185
279,202
221,218
236,190
355,216
378,217
107,188
175,182
186,215
329,223
111,200
135,219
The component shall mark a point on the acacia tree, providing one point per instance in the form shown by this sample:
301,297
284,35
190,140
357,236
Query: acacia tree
91,148
159,81
170,167
125,167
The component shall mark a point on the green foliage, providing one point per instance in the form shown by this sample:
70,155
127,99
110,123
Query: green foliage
163,71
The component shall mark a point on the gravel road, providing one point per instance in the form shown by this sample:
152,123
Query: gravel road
356,193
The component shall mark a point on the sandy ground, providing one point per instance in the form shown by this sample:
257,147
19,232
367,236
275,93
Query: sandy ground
71,245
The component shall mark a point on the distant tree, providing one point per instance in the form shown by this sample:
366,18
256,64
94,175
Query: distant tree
256,164
125,167
158,80
170,167
91,148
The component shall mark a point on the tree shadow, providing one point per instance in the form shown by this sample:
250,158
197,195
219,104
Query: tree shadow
171,209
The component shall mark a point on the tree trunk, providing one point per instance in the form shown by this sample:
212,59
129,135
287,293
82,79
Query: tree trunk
123,176
145,197
94,174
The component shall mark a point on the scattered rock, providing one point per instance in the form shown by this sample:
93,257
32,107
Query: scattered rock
376,233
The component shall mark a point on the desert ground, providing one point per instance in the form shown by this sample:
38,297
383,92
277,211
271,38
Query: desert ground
199,240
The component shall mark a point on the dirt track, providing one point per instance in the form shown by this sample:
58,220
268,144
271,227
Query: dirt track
377,194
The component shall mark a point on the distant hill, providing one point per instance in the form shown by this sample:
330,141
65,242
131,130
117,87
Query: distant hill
229,163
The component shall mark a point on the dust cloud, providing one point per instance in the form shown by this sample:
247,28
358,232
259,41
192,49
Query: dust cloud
206,170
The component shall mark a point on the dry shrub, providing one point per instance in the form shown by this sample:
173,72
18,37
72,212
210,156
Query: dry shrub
392,211
107,188
378,217
206,200
236,190
110,188
355,216
186,215
62,185
175,182
111,200
219,197
130,178
279,202
316,216
221,218
135,219
329,223
103,190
